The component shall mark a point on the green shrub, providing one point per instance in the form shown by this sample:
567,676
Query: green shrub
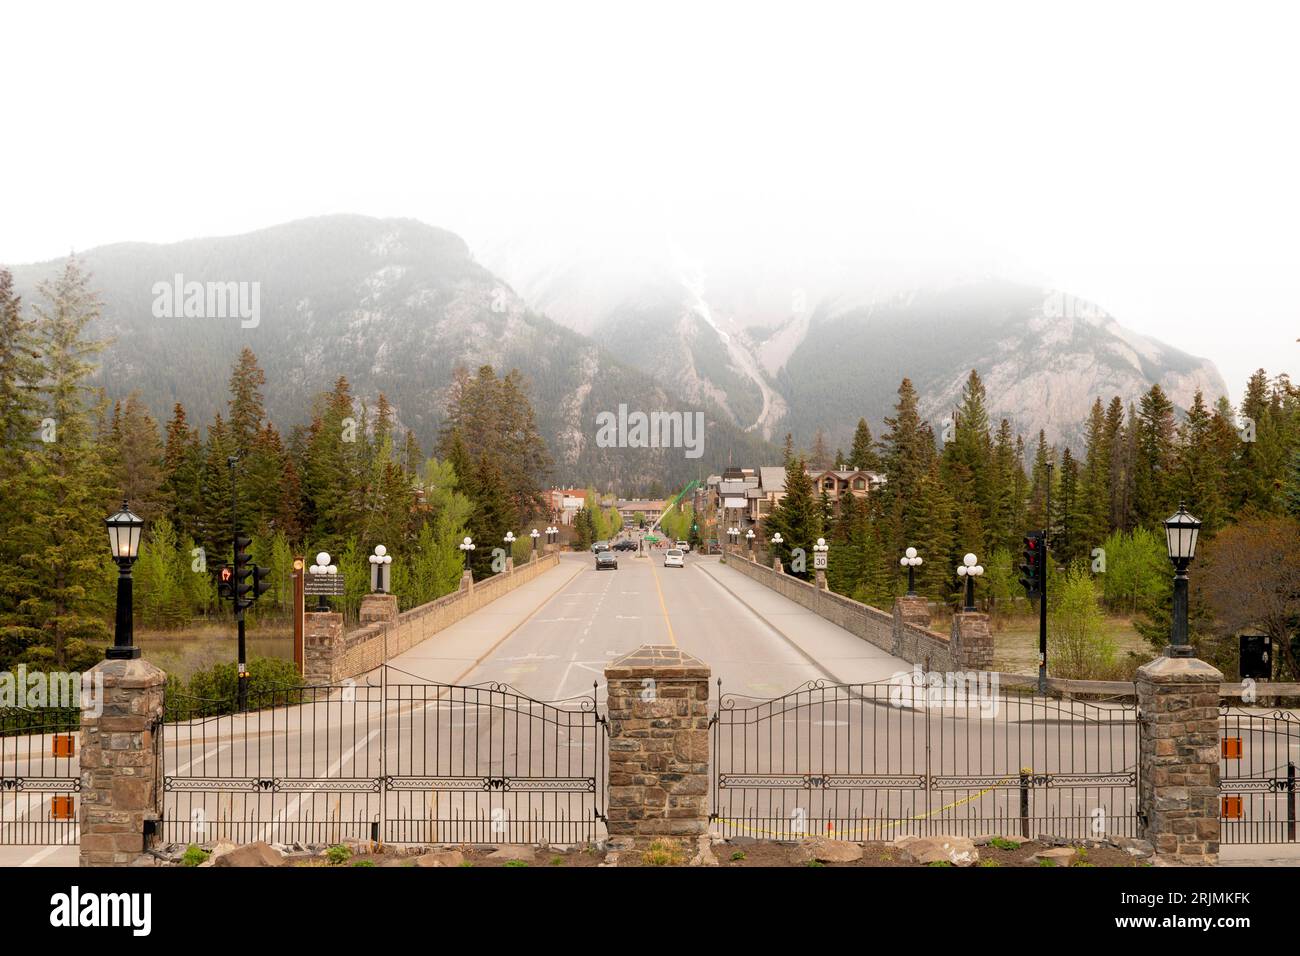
338,854
194,855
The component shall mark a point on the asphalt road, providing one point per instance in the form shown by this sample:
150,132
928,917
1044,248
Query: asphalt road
525,670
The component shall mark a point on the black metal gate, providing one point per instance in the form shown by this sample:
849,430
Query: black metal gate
880,761
40,776
396,760
1259,751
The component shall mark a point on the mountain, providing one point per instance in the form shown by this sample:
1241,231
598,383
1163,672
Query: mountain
784,344
395,306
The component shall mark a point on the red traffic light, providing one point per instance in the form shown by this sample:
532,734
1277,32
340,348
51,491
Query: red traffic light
226,574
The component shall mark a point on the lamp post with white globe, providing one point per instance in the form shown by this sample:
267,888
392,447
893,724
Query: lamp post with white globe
321,568
970,569
378,562
534,534
911,560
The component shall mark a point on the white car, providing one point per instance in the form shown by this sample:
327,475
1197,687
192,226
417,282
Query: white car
675,558
683,546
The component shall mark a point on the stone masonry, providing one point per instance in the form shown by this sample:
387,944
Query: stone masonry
377,607
1178,788
120,790
659,744
972,641
322,646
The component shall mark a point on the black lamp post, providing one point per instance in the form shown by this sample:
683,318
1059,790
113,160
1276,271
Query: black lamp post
970,569
124,538
910,560
534,534
749,536
1181,533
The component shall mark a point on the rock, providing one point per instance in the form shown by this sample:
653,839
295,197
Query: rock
251,854
1060,855
959,851
439,858
611,858
986,840
1134,847
525,854
829,851
218,851
704,856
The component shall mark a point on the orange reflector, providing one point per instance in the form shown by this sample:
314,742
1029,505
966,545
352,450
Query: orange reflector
1231,748
1230,808
61,808
63,745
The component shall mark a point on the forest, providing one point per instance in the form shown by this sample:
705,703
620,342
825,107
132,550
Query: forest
343,483
976,487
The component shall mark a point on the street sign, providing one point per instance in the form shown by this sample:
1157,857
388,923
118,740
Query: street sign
330,585
819,561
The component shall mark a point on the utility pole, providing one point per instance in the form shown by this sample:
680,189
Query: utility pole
238,602
1042,601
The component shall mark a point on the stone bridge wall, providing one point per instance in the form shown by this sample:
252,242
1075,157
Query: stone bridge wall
367,647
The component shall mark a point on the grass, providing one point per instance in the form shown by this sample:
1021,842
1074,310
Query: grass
1000,843
516,863
737,856
186,651
662,853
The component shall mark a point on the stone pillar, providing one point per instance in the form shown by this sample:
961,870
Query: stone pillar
1178,775
821,581
322,646
777,566
378,607
659,743
467,581
510,565
912,610
120,790
972,641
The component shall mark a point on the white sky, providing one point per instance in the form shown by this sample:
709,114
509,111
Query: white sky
1141,156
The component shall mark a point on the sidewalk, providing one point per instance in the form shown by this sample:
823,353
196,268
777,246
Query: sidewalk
844,657
450,655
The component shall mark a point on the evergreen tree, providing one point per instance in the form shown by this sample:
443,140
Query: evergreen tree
863,454
58,606
820,457
1094,485
1155,459
797,517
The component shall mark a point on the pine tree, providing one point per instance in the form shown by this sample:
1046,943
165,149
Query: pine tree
183,474
1068,535
1094,486
137,464
1154,461
820,457
58,606
1197,477
863,454
797,518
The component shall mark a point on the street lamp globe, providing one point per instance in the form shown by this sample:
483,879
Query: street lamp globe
467,544
124,529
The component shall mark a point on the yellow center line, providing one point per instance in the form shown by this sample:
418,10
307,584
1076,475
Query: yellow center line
672,638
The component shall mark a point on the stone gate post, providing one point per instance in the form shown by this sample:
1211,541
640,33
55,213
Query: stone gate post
1178,774
659,743
120,790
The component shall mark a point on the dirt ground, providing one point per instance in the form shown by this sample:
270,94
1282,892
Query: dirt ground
739,853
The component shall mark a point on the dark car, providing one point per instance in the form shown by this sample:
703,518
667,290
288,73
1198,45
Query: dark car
606,559
625,545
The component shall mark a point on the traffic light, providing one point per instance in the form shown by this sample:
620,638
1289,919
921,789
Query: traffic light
1033,564
261,581
243,570
226,582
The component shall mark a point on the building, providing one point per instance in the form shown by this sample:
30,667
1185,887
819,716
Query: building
743,497
565,503
635,511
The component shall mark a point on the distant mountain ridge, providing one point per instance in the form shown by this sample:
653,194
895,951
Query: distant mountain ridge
783,350
395,306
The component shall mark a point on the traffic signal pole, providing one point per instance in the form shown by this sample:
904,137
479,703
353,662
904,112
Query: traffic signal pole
1042,600
238,602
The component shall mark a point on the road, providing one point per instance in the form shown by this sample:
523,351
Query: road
549,641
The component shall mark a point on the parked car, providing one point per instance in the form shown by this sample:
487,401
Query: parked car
674,558
606,559
599,546
627,544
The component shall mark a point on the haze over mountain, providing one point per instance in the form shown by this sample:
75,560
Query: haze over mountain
760,346
784,342
395,306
